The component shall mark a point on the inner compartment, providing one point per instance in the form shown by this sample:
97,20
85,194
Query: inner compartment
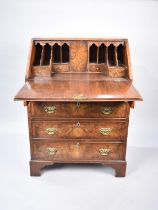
65,53
38,51
93,54
56,53
47,53
102,55
111,55
120,55
101,58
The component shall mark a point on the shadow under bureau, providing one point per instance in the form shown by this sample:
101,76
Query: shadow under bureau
78,94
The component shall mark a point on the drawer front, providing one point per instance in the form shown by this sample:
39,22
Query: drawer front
80,109
97,68
80,129
77,150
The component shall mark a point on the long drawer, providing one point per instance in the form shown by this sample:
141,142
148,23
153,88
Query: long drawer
77,150
80,109
83,129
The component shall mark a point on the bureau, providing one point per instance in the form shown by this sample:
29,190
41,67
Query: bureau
78,94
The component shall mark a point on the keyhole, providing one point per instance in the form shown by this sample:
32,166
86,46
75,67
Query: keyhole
78,104
78,124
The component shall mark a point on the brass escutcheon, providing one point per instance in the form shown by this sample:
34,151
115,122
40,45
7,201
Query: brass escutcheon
104,151
52,150
78,104
77,145
78,124
51,131
50,109
105,131
106,110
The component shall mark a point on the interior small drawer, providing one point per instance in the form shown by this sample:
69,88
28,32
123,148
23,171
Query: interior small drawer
77,150
109,129
80,109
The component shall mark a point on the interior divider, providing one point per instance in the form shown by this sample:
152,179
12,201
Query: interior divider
42,56
115,51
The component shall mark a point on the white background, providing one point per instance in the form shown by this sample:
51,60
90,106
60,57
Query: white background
19,22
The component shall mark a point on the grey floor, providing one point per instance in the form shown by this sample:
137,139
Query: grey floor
76,187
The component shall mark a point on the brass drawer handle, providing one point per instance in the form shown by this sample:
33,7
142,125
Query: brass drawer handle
104,151
50,109
51,131
52,150
107,110
105,131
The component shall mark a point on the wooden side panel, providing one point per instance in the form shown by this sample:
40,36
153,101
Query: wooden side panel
78,56
30,61
128,60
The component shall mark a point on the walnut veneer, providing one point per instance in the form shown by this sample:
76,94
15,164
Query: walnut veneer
78,94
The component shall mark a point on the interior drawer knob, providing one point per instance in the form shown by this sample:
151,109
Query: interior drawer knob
77,145
107,110
105,131
104,151
52,150
51,131
50,109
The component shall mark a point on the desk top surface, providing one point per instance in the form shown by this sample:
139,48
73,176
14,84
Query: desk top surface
72,87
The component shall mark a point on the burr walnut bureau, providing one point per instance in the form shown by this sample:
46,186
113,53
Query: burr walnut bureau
78,94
